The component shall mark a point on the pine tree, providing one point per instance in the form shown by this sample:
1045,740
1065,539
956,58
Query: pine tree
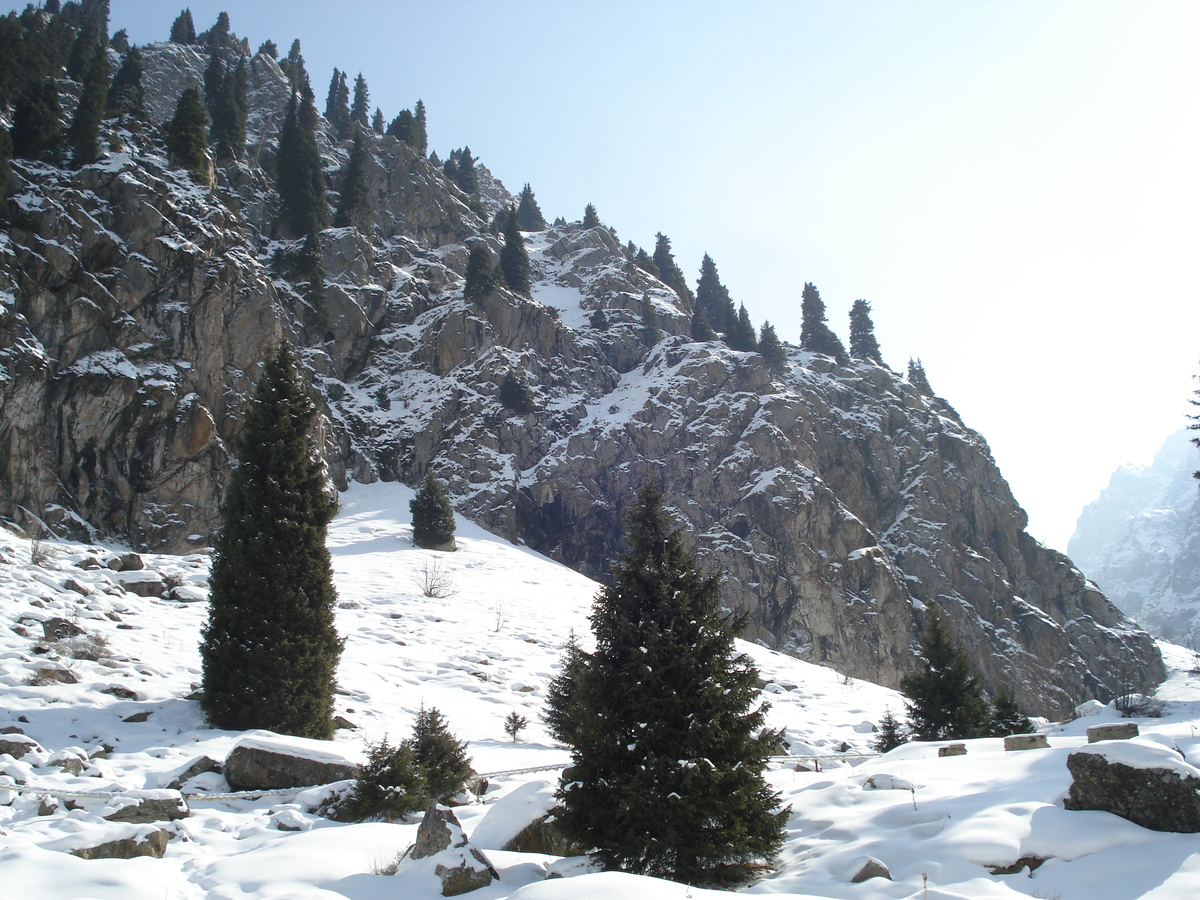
293,67
561,717
480,277
401,127
389,787
945,699
360,109
643,261
1007,717
214,74
337,105
890,736
311,266
598,320
590,218
354,205
529,214
771,349
187,133
6,153
669,747
862,333
440,757
702,329
270,650
120,41
432,517
815,334
514,724
377,124
303,206
917,377
515,394
651,329
741,335
84,133
420,141
268,48
514,258
35,129
183,29
714,298
125,95
219,36
669,272
230,112
465,175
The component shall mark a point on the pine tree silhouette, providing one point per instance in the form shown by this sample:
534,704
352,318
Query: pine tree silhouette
945,699
862,333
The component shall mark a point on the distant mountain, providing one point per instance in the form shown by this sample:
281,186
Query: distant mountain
839,500
1140,541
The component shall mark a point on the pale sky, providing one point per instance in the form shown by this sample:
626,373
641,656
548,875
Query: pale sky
1012,185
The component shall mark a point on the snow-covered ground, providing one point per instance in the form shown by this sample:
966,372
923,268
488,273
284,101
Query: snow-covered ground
487,649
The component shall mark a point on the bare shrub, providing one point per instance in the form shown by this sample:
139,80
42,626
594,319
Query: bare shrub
1135,706
93,647
39,553
435,581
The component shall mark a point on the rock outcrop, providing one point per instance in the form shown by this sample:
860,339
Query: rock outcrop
1147,784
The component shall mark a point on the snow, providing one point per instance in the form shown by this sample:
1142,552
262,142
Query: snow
488,650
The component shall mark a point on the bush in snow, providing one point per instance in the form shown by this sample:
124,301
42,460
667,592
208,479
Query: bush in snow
390,786
432,517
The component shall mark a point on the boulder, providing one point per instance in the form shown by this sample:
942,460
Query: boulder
143,807
143,582
264,761
1118,731
195,767
523,821
1026,742
440,839
151,843
1146,783
871,868
439,830
17,745
59,629
953,750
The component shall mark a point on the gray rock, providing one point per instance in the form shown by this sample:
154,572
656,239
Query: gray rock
472,873
60,629
543,836
151,806
153,844
17,745
197,766
1026,742
248,768
1156,798
872,868
1119,731
439,830
953,750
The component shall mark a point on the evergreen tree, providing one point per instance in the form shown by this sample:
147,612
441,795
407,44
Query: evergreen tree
1007,717
514,258
440,757
312,271
669,272
945,699
377,123
268,48
465,175
862,333
420,141
702,329
598,320
480,277
561,716
529,215
590,218
890,736
815,334
651,328
270,650
389,787
354,205
644,262
741,334
503,216
6,152
293,66
183,29
214,75
337,105
220,35
401,127
84,133
432,516
515,394
514,724
771,349
120,42
360,109
125,95
669,747
917,377
35,125
303,206
230,112
714,298
187,133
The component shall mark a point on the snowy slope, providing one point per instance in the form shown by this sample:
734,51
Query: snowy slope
477,655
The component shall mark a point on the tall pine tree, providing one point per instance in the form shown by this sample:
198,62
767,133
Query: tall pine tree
714,297
354,205
337,105
183,29
125,95
590,217
561,715
187,134
945,699
815,334
668,747
514,258
529,214
480,276
84,133
230,112
669,271
360,109
771,349
741,333
420,141
303,205
862,333
293,66
270,649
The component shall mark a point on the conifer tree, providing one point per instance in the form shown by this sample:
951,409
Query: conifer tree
268,48
360,109
515,394
917,377
561,716
465,175
312,271
480,277
862,333
389,787
432,516
125,95
668,747
402,126
6,153
669,272
741,334
771,349
303,206
354,205
337,105
270,649
529,214
84,133
219,36
420,141
590,218
890,736
440,757
187,133
377,123
714,298
514,258
230,112
293,66
651,328
643,261
701,328
1007,717
120,41
35,130
183,29
214,74
945,699
815,334
598,319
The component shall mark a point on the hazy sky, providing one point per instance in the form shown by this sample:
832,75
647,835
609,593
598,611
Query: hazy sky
1012,185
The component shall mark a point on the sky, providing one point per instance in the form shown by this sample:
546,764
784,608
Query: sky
1012,185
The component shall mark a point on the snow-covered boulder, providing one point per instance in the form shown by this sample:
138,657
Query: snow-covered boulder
523,821
1142,781
263,760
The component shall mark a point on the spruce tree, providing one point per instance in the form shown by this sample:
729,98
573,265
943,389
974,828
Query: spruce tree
183,29
360,109
214,75
598,319
651,330
84,133
337,105
862,333
389,787
514,258
439,756
701,328
187,133
311,266
5,160
771,349
125,95
669,272
420,141
354,205
561,717
1007,717
303,206
741,334
917,377
120,41
465,175
669,747
644,262
515,394
293,66
377,123
480,277
529,214
714,298
432,517
270,649
401,127
945,699
815,334
590,218
35,130
268,48
229,115
890,736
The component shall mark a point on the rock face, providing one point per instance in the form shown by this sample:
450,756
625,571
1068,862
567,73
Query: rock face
1140,541
1153,788
839,502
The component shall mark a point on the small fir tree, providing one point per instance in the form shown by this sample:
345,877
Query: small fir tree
389,787
862,333
432,516
183,29
377,123
529,214
35,125
651,330
84,133
270,649
741,335
890,736
669,271
465,175
669,746
481,277
590,218
126,95
514,724
815,334
187,134
944,699
702,329
311,265
917,377
714,299
515,394
1007,717
354,205
514,258
441,758
360,108
561,716
598,320
771,349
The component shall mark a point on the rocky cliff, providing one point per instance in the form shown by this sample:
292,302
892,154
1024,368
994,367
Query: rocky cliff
1140,541
839,501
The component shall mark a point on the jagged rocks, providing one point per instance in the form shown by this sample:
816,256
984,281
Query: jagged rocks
263,761
440,840
1146,783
